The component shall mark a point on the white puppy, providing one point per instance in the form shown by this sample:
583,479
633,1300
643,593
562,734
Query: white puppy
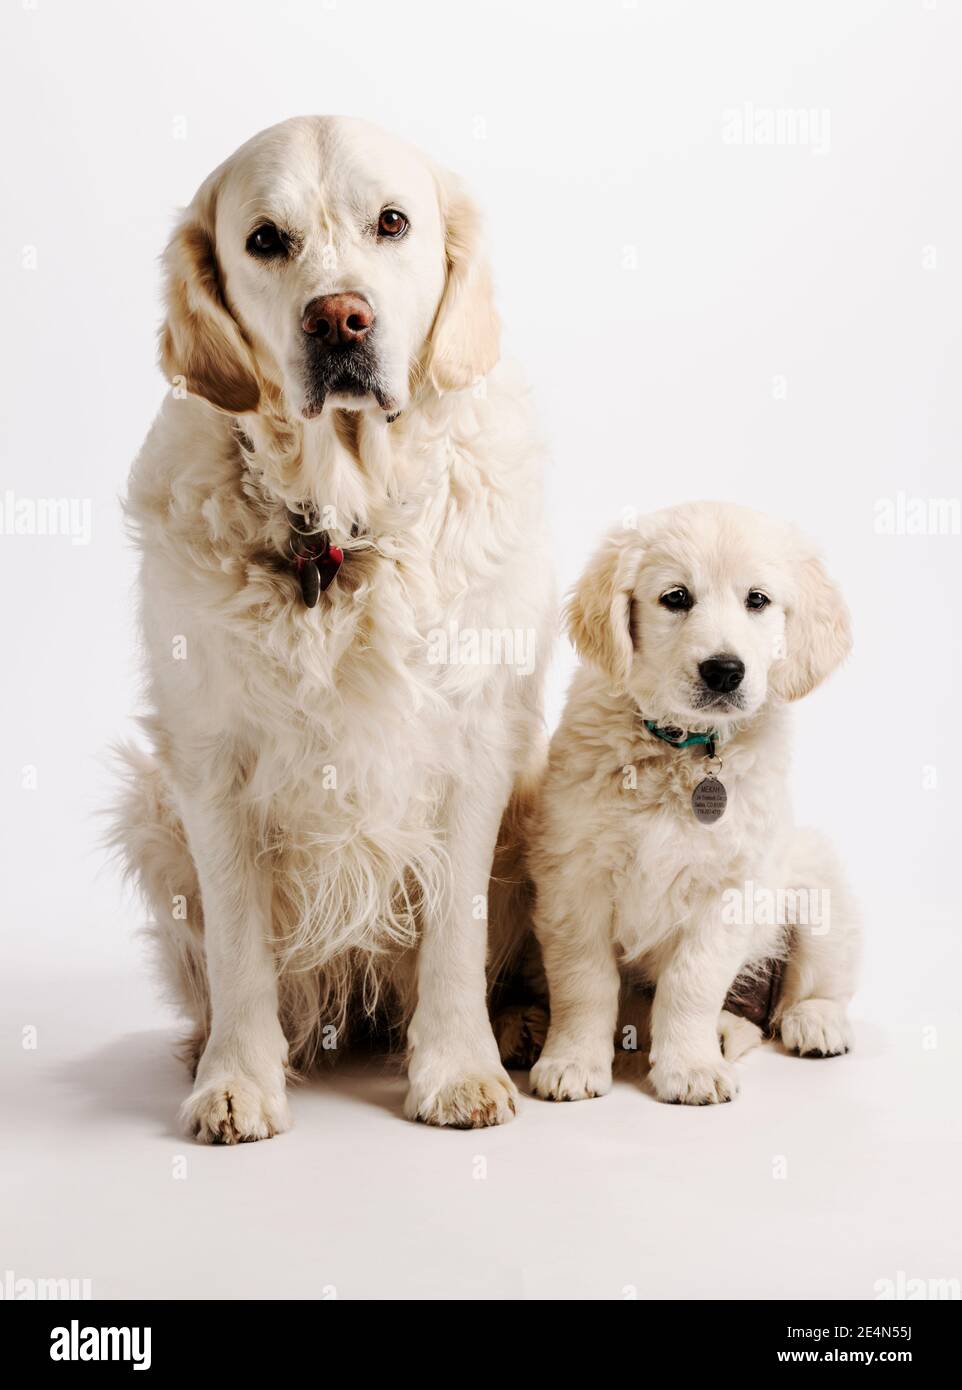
346,602
697,628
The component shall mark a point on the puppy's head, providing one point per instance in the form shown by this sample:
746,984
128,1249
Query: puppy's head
327,264
706,611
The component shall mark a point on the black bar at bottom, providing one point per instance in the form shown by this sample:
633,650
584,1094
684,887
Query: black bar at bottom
184,1341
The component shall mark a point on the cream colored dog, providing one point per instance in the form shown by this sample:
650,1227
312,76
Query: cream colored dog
703,622
346,603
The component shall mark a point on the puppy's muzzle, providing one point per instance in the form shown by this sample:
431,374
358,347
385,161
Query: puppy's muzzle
723,674
338,320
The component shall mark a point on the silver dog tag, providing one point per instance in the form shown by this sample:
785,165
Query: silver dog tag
708,800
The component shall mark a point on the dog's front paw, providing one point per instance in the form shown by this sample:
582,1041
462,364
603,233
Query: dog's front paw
235,1110
703,1083
817,1028
467,1101
570,1078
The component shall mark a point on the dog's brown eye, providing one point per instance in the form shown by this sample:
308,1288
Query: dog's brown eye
677,600
266,242
756,599
392,223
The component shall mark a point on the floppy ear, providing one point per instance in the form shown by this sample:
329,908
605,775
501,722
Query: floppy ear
818,634
466,337
200,340
598,613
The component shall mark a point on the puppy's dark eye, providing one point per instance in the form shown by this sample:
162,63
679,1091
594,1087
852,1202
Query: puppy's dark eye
756,599
677,600
392,224
267,242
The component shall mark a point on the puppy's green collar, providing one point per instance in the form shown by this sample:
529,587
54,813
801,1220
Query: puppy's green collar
682,738
709,798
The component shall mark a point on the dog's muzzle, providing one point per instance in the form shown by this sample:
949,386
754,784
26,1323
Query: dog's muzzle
719,681
722,674
338,320
340,351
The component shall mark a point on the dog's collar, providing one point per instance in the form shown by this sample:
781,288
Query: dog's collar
709,797
683,738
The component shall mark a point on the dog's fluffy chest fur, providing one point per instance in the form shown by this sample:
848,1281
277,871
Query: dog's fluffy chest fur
617,806
443,557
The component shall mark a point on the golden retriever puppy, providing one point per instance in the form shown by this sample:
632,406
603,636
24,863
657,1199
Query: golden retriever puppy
345,602
664,852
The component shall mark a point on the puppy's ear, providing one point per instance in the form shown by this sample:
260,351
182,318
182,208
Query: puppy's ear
598,613
200,340
466,338
818,633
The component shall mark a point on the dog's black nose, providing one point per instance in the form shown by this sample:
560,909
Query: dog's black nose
722,673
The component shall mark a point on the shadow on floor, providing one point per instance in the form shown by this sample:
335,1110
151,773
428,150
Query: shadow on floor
140,1075
137,1074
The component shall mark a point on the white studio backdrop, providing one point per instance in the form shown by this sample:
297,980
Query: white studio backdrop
726,240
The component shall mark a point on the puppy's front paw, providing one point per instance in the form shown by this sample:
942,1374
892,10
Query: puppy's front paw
703,1083
817,1028
236,1110
737,1035
570,1078
465,1102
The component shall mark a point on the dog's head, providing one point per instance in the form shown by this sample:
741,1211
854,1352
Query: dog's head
325,263
705,611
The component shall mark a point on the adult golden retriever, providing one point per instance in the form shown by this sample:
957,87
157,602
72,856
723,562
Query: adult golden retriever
345,601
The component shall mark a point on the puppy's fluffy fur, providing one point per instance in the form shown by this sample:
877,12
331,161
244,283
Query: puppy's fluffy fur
323,795
630,886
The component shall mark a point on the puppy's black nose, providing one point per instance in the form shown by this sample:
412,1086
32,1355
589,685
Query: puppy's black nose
722,673
338,319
